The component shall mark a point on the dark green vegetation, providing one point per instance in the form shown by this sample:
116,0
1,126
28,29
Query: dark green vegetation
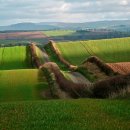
53,57
112,50
82,114
86,34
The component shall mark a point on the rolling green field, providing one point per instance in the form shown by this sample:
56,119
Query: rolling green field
23,84
55,33
14,58
109,50
22,104
81,114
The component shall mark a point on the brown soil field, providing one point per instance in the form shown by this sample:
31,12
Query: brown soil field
122,68
22,35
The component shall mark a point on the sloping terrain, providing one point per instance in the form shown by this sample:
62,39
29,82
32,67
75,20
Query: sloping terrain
33,84
18,81
16,57
110,51
21,85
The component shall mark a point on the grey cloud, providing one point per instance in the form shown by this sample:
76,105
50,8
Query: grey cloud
62,10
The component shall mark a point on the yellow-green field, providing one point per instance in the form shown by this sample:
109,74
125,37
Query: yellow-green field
14,58
22,104
55,33
22,84
109,50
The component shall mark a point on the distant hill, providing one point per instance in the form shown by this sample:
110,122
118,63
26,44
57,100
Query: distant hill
28,26
120,25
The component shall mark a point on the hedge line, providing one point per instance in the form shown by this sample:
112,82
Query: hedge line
34,58
59,55
73,89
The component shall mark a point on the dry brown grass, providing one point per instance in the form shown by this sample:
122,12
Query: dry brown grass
34,58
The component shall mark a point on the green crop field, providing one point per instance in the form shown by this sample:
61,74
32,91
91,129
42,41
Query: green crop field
23,84
14,58
112,50
22,91
82,114
55,33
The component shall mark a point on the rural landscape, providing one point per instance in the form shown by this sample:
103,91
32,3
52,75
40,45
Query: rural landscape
66,81
64,75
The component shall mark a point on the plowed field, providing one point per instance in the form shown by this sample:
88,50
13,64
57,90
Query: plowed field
122,68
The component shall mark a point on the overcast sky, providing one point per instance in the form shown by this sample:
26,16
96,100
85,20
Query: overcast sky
16,11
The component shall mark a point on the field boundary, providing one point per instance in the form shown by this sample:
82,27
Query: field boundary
34,58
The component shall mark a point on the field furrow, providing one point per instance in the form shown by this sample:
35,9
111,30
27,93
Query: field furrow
122,68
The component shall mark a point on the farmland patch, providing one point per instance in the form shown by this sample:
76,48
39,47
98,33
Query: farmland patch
122,67
16,57
109,50
26,84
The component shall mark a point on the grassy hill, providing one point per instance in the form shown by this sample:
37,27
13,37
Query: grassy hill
16,57
109,50
25,88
